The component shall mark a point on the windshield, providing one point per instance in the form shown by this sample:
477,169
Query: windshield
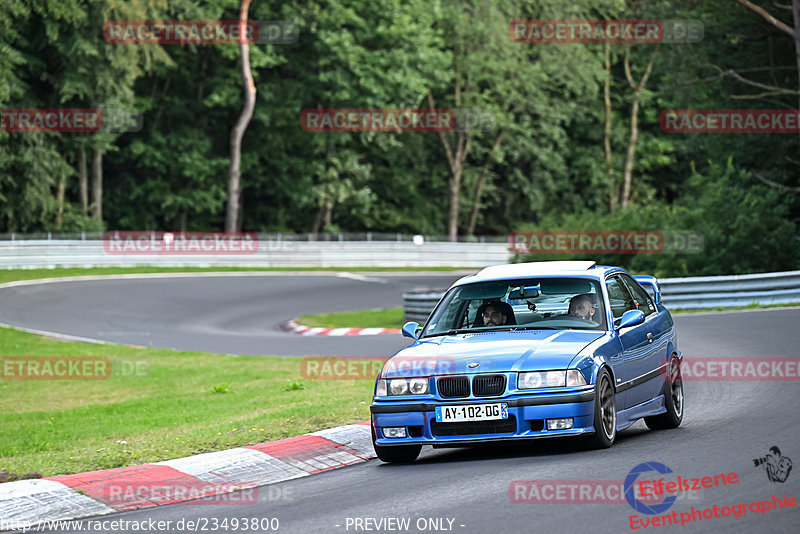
531,303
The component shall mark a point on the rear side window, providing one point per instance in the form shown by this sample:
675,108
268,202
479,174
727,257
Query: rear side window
641,298
618,297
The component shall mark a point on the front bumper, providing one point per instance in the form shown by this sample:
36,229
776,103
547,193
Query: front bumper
529,413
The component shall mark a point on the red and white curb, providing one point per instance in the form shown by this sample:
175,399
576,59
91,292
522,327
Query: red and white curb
65,497
303,330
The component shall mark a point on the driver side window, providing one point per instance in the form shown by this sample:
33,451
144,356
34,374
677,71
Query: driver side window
618,297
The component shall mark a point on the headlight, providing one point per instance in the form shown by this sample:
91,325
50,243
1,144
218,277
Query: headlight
550,379
418,386
398,387
402,386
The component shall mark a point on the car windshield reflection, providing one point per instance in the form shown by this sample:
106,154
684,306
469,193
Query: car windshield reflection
513,305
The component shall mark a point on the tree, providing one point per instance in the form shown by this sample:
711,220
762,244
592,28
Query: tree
630,155
232,218
794,33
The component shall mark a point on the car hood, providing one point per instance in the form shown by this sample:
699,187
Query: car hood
522,350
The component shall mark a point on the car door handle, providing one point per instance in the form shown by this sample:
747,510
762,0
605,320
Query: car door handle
649,337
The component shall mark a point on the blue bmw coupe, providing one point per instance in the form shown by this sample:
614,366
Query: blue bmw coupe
532,350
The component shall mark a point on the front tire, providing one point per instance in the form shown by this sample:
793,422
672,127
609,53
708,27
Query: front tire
401,454
605,412
673,400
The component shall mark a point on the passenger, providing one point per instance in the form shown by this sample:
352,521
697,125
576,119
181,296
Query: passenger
582,306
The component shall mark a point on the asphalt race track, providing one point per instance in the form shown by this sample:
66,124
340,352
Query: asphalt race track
727,423
236,314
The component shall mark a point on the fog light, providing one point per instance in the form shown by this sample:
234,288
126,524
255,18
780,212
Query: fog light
559,424
397,431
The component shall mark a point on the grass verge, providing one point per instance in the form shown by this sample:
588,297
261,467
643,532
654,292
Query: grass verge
12,275
753,306
393,317
380,318
178,404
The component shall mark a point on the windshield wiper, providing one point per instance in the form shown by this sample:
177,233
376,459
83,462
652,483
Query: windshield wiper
456,331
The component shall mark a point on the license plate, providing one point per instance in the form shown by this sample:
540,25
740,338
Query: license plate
471,412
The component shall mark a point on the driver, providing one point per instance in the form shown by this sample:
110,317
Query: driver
495,313
582,306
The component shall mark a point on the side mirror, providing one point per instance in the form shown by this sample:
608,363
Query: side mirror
630,318
412,329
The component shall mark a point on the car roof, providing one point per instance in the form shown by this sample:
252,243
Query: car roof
539,268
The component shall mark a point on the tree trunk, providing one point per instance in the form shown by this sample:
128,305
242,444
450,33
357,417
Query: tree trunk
62,185
315,226
233,215
455,160
476,205
796,20
83,181
97,183
327,219
614,198
454,190
631,153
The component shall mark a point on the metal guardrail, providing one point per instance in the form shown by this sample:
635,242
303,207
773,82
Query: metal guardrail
380,250
268,236
271,252
693,293
418,305
703,292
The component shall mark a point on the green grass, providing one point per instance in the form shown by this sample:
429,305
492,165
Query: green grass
393,317
186,403
382,318
753,306
31,274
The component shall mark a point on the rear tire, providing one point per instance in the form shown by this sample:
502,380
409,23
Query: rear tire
400,454
605,412
673,400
